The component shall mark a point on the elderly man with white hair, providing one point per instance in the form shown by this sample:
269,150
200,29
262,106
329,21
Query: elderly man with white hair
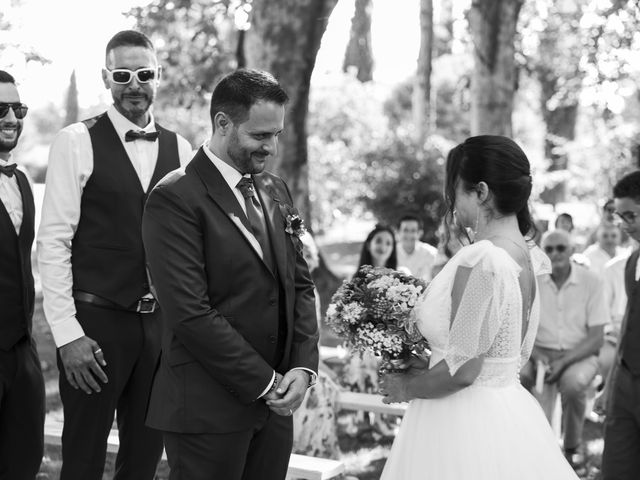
573,313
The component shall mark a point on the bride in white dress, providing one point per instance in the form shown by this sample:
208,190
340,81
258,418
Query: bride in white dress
469,417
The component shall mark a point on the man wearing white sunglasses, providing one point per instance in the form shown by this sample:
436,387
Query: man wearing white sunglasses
97,299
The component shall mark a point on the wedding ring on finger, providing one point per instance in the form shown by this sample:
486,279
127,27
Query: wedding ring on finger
97,351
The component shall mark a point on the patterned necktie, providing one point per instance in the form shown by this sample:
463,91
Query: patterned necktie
256,218
133,135
8,170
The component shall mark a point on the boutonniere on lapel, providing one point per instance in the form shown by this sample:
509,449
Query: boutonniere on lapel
294,225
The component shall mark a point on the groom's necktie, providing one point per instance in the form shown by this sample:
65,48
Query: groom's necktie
256,218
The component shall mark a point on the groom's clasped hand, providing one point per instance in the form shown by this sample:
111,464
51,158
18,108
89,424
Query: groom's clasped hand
289,392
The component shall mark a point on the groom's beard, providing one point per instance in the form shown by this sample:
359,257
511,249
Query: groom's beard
245,160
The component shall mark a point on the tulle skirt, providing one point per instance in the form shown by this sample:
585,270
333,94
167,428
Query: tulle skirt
478,433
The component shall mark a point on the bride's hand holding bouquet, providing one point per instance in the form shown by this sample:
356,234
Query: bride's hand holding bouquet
373,313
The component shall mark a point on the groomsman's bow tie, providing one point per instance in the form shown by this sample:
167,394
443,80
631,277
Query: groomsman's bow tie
8,170
132,135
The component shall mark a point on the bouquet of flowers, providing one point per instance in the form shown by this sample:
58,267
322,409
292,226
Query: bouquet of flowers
372,313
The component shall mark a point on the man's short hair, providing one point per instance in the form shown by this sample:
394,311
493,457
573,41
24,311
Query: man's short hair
557,233
6,77
237,92
628,187
129,38
411,218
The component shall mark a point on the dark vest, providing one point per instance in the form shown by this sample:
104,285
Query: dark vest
107,255
630,336
16,278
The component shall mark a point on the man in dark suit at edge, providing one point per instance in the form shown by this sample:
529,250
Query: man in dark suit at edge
21,383
621,455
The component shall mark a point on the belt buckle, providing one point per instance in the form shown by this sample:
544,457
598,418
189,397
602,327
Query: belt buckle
146,305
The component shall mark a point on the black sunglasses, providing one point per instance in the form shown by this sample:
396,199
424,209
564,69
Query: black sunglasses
559,248
19,109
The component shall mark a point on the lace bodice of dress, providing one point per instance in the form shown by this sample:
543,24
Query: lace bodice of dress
488,319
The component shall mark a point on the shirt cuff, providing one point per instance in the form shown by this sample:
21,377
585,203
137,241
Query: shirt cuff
313,376
66,331
264,392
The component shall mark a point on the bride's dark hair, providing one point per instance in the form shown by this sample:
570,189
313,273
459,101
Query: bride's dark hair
503,166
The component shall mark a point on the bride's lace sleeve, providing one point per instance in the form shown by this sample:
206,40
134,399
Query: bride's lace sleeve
476,296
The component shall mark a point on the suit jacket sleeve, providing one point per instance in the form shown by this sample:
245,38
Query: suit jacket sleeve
304,348
174,247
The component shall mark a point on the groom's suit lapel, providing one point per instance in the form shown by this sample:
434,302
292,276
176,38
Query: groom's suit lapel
275,224
219,191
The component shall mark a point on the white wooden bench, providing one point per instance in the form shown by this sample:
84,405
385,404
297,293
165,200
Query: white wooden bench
332,352
300,466
369,402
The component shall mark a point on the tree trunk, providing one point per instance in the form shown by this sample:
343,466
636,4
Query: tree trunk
493,29
284,39
421,103
71,103
443,32
359,53
560,78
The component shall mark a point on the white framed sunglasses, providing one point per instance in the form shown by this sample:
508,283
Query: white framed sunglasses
123,76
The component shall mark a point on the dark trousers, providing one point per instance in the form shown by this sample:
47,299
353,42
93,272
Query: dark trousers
21,412
131,345
258,454
621,456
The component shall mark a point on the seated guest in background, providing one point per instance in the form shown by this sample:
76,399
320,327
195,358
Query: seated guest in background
605,249
564,221
541,227
21,382
607,218
379,248
572,317
414,255
360,373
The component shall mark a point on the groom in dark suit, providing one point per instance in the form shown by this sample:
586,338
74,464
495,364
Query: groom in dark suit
240,335
21,382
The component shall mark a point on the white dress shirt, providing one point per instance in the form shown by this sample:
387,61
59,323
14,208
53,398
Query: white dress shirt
614,290
11,197
70,167
567,312
420,262
229,173
598,257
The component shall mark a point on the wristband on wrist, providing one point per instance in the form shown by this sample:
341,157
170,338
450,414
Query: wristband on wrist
274,385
